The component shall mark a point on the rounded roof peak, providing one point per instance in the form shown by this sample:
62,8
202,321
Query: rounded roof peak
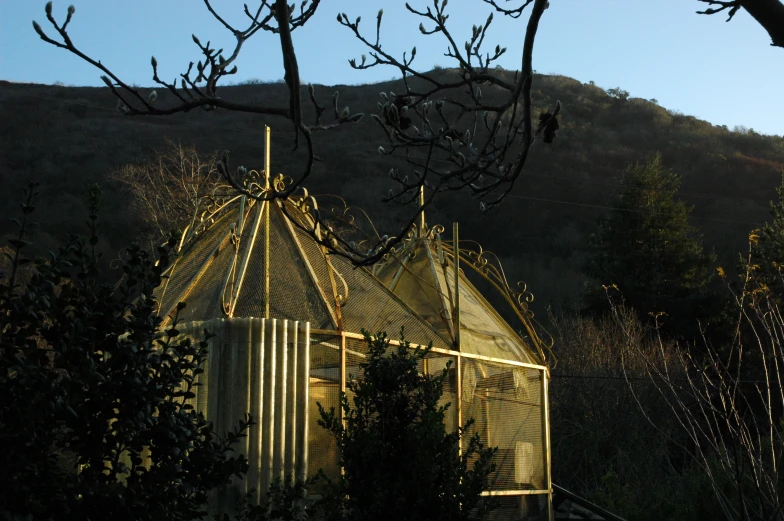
253,258
421,271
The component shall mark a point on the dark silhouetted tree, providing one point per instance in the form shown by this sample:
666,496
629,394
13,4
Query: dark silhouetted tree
399,461
94,422
646,246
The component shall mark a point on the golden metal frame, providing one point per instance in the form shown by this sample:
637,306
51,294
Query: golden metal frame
458,359
485,263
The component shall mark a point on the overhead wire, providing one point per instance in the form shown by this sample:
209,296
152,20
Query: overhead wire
290,135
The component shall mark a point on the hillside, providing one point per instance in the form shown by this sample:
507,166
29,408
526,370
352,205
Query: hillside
69,137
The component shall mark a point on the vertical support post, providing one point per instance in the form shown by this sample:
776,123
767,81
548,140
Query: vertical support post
342,377
342,371
292,401
422,211
456,328
488,422
267,171
267,174
268,407
456,263
303,394
282,382
459,390
546,444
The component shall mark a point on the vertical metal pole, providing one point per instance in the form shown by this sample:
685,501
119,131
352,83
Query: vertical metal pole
459,390
456,314
342,371
546,422
281,406
488,420
456,327
292,401
303,394
267,173
422,211
342,376
267,422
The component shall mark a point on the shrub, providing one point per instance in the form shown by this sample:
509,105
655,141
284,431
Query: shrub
95,423
399,462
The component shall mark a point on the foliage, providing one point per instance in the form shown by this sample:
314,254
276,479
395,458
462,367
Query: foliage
767,247
94,422
618,93
646,247
728,401
603,447
284,501
399,462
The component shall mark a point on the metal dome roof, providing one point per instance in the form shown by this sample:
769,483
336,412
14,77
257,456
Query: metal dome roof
247,259
422,273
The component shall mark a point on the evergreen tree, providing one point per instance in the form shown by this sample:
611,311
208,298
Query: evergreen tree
647,248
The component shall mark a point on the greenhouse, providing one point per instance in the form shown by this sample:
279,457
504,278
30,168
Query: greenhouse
287,318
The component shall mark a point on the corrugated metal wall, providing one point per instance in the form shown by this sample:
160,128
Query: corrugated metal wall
257,366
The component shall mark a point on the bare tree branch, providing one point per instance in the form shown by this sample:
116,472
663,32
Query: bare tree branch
768,13
729,400
173,189
478,154
485,145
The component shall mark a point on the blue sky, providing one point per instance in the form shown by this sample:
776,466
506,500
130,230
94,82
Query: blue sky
725,73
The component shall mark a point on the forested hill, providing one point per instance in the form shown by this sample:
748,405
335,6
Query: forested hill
69,137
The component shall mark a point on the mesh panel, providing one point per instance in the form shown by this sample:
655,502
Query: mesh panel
318,263
292,292
204,299
324,389
245,244
419,288
356,353
519,508
300,291
297,215
434,364
371,307
251,301
505,403
190,261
